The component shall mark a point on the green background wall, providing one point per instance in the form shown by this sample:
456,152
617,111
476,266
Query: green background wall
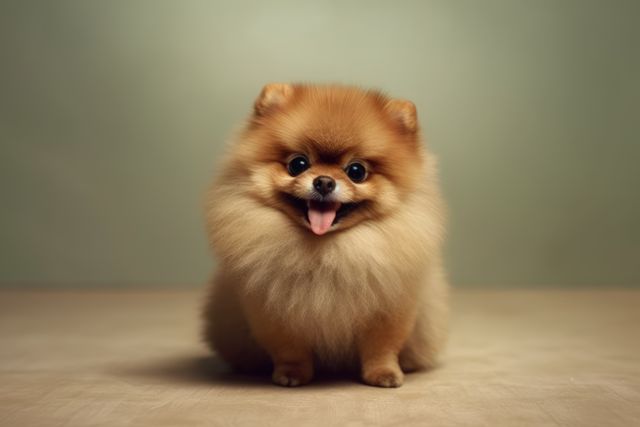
112,114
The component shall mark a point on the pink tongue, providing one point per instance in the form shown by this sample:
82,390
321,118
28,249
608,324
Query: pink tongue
321,216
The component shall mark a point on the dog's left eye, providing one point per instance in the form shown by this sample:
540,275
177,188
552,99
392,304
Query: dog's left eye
356,172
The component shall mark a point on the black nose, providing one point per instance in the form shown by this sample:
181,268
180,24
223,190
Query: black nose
324,184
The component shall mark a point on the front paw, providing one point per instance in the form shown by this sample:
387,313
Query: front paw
383,376
292,374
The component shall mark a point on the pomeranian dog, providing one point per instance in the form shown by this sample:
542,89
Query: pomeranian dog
327,221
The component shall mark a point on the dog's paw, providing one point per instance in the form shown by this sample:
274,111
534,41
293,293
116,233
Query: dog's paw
292,375
383,376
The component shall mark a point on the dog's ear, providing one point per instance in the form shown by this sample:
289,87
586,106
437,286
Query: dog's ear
404,113
273,95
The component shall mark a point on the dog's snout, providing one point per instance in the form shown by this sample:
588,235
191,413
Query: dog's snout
324,184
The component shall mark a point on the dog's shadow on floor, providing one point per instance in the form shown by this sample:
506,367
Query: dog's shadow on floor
206,370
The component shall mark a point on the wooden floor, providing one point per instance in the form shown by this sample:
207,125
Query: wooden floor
134,359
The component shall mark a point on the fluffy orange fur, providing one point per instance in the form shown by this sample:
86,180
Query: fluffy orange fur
369,292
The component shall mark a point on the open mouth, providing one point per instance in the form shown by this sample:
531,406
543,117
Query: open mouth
321,215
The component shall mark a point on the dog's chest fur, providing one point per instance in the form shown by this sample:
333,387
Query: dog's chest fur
327,294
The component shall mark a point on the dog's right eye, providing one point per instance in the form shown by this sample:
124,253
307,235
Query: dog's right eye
297,165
